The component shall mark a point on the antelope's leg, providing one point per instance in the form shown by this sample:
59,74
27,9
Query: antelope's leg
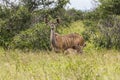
79,49
52,48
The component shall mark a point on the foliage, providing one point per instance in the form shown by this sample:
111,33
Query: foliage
75,27
35,4
102,25
75,15
20,17
110,30
36,37
12,23
110,7
90,30
19,20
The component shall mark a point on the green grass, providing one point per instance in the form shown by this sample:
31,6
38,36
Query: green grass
42,65
75,27
18,65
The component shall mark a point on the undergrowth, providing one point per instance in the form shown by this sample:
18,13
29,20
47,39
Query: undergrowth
18,65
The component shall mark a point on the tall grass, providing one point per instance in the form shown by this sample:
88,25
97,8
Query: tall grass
44,65
18,65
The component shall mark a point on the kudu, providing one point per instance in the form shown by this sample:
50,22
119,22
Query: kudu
65,42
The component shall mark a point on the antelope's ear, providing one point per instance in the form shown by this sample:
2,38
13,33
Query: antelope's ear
58,20
46,20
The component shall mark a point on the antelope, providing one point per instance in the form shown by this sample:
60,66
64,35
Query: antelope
64,42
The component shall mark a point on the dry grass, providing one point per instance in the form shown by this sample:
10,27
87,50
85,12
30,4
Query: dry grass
18,65
39,65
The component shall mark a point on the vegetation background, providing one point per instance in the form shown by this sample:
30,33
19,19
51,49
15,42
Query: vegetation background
25,48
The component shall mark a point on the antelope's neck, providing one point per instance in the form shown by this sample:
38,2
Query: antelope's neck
52,37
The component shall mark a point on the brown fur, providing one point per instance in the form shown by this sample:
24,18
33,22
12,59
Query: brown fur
62,43
74,41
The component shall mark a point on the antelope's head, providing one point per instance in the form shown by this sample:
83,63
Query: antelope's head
52,25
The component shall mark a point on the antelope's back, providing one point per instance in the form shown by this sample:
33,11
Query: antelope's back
69,41
77,39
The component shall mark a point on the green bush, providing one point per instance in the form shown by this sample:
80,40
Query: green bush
105,33
90,30
110,31
13,22
36,37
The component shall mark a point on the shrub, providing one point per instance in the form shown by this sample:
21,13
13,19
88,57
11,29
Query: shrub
90,30
105,33
110,31
13,21
36,37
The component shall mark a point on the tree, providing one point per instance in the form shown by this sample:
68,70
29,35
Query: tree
103,24
19,16
110,6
